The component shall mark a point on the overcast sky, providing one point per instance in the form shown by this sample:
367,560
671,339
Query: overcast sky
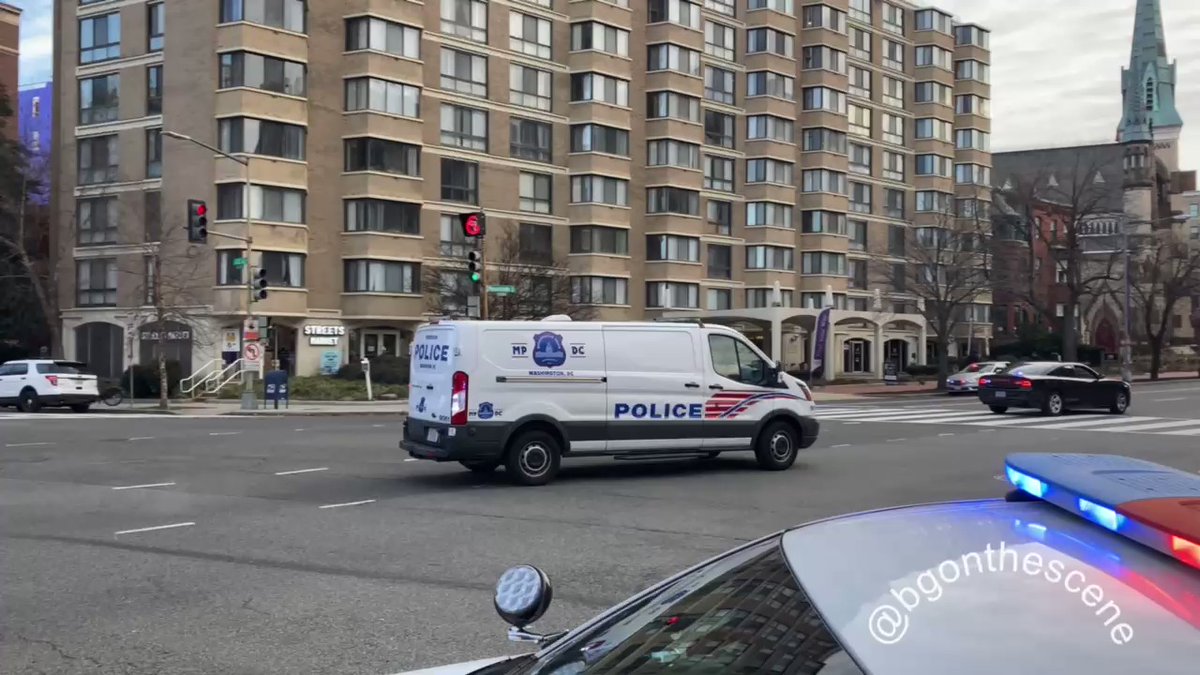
1056,65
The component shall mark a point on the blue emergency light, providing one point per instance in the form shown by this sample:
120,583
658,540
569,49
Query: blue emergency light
1154,505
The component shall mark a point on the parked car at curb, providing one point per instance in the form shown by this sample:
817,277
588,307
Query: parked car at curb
33,384
1054,387
966,381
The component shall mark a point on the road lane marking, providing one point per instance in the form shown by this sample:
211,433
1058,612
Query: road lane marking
299,430
946,434
377,426
841,445
411,459
24,445
850,424
157,527
223,433
1165,424
142,438
1185,432
896,440
290,473
334,506
1094,422
138,487
1166,400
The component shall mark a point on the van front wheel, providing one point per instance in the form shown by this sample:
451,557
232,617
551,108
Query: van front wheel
533,458
777,446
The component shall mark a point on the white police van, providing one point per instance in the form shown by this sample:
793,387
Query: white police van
526,394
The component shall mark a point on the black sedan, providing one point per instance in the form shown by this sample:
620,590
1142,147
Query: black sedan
1053,387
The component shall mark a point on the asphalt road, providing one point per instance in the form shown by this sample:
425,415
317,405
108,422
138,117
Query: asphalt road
309,545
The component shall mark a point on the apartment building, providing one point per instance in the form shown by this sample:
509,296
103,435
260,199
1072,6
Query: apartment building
10,56
677,157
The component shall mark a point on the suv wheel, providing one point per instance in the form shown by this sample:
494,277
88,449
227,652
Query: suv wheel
28,402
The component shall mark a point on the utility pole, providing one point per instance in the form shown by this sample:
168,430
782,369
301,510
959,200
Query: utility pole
483,293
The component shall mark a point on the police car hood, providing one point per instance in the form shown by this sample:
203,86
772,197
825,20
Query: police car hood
457,668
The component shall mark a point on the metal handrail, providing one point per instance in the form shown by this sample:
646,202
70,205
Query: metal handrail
192,382
228,374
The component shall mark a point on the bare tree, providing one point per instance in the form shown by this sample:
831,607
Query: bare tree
1085,245
25,260
946,269
541,284
1164,275
170,283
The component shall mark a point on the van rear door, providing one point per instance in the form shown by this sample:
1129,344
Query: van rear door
431,373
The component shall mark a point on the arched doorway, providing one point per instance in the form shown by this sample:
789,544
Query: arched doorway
99,345
1106,337
856,356
178,345
896,351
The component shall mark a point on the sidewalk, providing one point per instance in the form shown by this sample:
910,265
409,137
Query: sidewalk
233,408
849,392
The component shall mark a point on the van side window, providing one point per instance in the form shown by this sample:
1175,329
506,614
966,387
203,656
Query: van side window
731,358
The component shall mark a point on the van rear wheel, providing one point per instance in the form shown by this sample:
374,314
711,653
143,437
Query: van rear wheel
777,446
533,458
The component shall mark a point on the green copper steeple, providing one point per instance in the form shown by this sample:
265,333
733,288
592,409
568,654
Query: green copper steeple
1148,84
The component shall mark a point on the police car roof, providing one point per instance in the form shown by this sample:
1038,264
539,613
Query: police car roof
989,586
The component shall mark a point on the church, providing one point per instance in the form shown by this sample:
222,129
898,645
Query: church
1078,208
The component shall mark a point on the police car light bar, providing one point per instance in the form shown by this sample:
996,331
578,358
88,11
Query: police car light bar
1154,505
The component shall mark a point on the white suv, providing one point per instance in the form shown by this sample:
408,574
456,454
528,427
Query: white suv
34,383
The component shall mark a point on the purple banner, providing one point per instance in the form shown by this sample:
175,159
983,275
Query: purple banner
819,340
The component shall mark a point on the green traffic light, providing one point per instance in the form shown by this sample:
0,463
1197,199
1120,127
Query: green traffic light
475,277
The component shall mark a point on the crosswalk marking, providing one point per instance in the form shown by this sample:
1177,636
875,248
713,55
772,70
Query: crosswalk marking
1020,420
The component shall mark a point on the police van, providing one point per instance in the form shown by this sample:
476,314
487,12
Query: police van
527,394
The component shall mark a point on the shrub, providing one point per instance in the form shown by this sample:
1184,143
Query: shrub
384,370
146,383
323,388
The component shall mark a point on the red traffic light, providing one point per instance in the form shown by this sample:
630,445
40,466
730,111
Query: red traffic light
201,210
471,226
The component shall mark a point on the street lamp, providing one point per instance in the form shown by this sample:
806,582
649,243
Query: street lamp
249,400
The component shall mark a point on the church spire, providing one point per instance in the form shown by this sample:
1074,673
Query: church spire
1148,84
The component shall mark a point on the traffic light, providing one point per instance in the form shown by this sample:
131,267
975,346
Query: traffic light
260,284
197,221
475,266
473,224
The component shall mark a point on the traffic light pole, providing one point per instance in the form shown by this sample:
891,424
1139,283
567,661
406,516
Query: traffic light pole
483,294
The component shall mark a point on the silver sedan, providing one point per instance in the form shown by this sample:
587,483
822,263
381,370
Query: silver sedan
966,381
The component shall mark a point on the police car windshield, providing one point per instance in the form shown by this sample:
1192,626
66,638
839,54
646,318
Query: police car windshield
742,614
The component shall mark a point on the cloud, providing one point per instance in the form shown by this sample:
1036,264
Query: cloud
37,40
1056,68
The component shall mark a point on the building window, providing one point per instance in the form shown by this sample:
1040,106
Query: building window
720,262
594,189
718,173
893,203
893,18
720,215
929,201
820,139
860,10
382,276
828,264
665,104
972,174
599,239
860,44
766,170
824,98
99,159
930,55
535,243
465,18
99,99
100,38
384,156
286,14
601,139
284,270
672,295
934,165
271,204
765,297
154,90
464,127
672,200
820,57
381,215
769,214
770,83
96,221
822,222
535,189
453,243
152,215
529,35
860,81
262,137
96,282
893,165
932,19
376,95
770,127
860,197
679,12
972,139
464,72
599,88
673,153
530,139
529,87
933,92
155,27
460,181
154,153
599,291
718,299
824,16
718,40
770,258
860,158
897,240
893,55
726,6
246,69
970,104
857,231
667,56
397,39
893,92
592,35
893,129
719,85
859,120
824,180
972,36
933,128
